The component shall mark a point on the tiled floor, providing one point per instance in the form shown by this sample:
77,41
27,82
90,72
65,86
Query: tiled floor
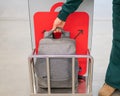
14,50
15,47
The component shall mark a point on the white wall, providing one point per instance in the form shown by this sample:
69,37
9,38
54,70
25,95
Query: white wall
14,9
19,9
15,45
103,9
102,41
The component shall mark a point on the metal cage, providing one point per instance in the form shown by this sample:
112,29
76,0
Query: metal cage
88,76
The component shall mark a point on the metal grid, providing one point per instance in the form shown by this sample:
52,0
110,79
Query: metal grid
34,85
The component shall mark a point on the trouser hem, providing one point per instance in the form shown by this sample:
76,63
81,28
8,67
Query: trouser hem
113,85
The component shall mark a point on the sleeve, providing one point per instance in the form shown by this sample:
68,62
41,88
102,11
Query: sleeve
68,7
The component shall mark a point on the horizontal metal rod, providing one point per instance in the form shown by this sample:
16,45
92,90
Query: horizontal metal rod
77,94
61,56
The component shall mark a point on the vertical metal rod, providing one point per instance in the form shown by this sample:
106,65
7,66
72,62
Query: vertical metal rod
30,26
30,72
87,77
48,75
73,75
90,75
32,75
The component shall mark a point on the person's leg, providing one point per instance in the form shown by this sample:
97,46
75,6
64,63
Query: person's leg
113,71
112,79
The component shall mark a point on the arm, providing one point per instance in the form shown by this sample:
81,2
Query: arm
68,7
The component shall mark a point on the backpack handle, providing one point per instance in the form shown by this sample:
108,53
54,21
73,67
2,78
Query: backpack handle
49,34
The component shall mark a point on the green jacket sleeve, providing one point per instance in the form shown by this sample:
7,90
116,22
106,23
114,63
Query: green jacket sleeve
68,7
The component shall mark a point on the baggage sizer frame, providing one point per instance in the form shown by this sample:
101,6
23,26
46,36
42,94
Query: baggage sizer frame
85,84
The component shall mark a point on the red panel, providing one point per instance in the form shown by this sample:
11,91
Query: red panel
76,23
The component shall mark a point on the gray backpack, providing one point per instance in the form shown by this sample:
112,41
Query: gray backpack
60,68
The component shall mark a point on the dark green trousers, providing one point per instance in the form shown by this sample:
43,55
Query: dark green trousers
113,71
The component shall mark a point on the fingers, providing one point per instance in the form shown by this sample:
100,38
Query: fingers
57,30
58,23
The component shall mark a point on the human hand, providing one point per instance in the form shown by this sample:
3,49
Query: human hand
58,23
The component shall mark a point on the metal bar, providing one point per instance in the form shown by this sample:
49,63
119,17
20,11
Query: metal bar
82,94
90,74
61,56
48,75
87,78
90,69
32,75
30,25
73,75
